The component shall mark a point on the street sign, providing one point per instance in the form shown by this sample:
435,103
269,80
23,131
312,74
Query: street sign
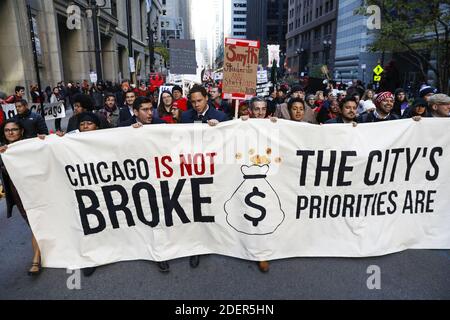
377,78
363,66
132,65
93,77
378,70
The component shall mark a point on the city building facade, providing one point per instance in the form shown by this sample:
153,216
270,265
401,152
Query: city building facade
239,19
311,37
353,61
64,32
267,22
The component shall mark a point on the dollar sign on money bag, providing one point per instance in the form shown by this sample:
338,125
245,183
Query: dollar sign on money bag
254,208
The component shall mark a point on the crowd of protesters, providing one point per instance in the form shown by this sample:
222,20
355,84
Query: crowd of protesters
103,106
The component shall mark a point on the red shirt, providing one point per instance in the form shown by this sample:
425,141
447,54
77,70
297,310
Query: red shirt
168,119
142,93
181,104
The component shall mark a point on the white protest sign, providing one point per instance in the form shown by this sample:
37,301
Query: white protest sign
162,89
52,111
132,65
262,76
93,77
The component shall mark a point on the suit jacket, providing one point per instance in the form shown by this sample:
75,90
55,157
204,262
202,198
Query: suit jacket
191,116
124,114
133,120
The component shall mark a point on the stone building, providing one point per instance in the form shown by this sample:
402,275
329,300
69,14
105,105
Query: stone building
65,41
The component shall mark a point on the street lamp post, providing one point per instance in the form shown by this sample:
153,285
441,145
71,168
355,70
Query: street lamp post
130,37
326,48
300,53
151,43
93,8
35,56
97,45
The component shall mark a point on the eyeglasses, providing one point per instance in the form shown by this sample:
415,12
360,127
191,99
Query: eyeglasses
11,130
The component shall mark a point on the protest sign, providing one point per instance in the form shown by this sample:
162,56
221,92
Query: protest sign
182,56
240,67
52,111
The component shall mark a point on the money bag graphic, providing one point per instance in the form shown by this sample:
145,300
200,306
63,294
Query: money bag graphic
254,208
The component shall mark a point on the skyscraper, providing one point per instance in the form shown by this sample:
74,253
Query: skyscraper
176,19
352,40
239,19
267,23
218,35
311,37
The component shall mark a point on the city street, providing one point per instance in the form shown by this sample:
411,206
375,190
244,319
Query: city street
296,133
413,274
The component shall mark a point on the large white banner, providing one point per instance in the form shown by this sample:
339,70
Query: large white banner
254,190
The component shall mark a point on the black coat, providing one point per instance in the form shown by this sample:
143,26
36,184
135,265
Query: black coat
74,125
8,189
32,123
368,117
191,116
124,114
133,120
335,120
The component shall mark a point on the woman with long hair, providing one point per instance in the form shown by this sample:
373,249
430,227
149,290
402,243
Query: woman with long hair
165,107
11,132
176,114
366,103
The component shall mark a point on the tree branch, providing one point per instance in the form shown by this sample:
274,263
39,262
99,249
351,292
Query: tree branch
418,64
413,51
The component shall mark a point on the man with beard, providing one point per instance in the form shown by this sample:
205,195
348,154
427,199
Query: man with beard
348,107
110,110
439,106
384,102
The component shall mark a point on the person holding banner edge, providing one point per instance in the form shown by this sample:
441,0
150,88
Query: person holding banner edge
12,131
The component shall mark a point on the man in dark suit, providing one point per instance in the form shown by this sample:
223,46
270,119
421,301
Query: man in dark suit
126,111
201,111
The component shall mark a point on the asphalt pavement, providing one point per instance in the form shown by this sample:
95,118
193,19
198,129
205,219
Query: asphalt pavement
412,274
